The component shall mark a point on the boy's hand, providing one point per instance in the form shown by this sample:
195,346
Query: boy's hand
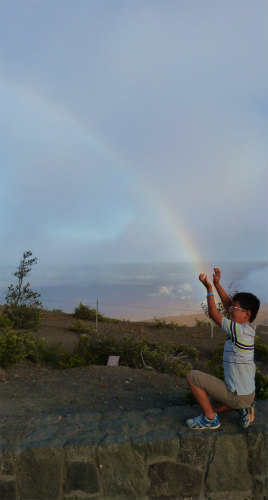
204,279
216,276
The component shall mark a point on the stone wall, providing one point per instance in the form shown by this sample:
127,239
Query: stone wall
136,455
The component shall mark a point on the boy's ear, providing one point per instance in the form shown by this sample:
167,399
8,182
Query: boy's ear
248,315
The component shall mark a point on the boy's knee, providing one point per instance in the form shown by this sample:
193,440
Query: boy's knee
190,376
195,377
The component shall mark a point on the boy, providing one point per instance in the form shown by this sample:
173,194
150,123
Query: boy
238,390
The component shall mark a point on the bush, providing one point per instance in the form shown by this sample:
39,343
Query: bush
199,322
215,365
5,321
261,351
133,352
79,327
55,355
15,347
85,312
261,381
190,351
161,323
24,317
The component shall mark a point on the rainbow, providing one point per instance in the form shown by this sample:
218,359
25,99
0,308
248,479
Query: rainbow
179,235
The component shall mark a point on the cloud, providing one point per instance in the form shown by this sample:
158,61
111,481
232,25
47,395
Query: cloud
166,290
186,287
256,283
118,110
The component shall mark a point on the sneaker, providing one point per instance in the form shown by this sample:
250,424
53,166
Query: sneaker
247,416
203,422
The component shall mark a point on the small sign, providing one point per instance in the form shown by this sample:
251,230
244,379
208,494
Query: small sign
113,361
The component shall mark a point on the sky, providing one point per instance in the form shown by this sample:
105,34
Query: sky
133,131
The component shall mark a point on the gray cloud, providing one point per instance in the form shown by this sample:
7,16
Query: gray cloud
113,111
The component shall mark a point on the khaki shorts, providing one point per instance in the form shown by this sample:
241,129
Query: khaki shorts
217,390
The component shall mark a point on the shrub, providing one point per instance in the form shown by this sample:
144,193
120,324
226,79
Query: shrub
11,348
261,382
161,323
215,365
79,327
5,321
261,351
24,317
133,352
85,312
199,322
55,355
190,351
15,347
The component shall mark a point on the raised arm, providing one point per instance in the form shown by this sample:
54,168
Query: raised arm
212,309
226,301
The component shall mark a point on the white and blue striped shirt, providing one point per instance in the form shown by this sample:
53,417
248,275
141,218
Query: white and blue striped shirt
238,356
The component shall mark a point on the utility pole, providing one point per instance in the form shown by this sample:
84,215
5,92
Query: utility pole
97,313
211,329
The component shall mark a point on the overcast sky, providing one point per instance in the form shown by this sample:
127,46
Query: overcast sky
133,130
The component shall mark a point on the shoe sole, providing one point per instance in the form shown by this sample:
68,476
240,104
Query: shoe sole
252,414
204,428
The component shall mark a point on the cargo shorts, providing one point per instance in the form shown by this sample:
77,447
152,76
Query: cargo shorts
217,390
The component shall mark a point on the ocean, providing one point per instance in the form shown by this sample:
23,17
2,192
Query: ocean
137,291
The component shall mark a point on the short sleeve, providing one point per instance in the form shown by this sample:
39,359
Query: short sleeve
231,328
226,325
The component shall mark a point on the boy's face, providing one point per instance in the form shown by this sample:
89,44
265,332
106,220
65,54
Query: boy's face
238,314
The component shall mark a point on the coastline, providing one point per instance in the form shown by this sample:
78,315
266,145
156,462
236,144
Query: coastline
190,319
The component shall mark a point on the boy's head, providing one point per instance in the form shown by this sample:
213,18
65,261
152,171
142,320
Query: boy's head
247,302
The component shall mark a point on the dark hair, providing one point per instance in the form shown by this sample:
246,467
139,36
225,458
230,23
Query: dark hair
249,302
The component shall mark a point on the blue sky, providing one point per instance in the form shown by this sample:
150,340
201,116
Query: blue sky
133,131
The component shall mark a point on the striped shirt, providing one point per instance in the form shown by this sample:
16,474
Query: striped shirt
238,356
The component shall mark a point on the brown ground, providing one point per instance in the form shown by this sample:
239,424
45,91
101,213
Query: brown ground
30,388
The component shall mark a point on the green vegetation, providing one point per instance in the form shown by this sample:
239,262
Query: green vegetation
199,322
119,339
133,352
89,314
261,382
86,312
23,306
15,347
5,321
79,327
161,323
215,366
261,351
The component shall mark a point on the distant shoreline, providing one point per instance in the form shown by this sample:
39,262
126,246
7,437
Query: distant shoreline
190,319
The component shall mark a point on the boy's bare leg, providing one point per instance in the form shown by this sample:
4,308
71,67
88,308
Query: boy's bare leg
202,399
